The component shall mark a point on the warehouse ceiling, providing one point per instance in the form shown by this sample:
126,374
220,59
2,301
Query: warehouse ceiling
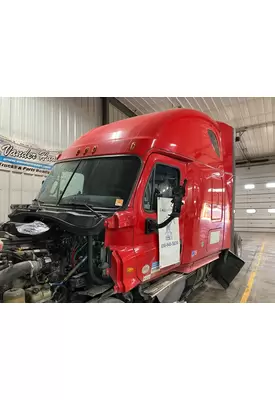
253,118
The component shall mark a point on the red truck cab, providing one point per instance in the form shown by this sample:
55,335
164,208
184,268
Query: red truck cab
166,147
157,193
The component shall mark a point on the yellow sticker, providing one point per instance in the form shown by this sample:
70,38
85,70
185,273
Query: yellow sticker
119,202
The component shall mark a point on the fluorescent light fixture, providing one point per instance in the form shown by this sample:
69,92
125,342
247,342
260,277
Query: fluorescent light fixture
270,185
249,186
271,210
251,211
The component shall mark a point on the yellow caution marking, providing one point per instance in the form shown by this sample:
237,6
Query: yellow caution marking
253,274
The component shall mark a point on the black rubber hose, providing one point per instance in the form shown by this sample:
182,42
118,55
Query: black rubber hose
93,275
74,270
13,254
18,270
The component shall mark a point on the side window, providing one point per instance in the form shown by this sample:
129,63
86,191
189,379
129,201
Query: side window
214,142
162,181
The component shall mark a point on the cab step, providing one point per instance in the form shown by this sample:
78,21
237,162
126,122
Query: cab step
168,288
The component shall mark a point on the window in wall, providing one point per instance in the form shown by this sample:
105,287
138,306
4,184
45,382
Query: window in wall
214,141
162,181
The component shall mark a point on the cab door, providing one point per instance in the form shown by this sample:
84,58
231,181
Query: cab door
160,175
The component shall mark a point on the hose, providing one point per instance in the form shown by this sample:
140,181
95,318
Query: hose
67,277
93,275
12,253
79,250
19,270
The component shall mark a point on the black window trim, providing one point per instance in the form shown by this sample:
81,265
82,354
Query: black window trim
153,171
218,150
116,209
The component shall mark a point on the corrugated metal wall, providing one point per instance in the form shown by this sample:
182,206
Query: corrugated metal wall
50,123
17,188
115,114
261,199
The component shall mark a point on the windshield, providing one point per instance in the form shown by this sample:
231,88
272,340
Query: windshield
100,182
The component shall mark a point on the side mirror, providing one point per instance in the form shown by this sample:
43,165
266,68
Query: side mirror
178,195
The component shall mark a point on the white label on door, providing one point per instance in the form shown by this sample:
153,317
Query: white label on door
169,236
214,237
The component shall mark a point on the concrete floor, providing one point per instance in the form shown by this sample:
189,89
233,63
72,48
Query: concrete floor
256,281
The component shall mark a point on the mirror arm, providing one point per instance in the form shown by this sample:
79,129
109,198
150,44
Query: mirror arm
153,226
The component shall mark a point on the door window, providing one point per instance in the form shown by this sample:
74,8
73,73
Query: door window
161,183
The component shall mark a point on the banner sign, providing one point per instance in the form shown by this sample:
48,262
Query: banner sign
169,236
25,158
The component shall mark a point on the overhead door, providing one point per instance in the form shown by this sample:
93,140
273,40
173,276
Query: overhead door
255,199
